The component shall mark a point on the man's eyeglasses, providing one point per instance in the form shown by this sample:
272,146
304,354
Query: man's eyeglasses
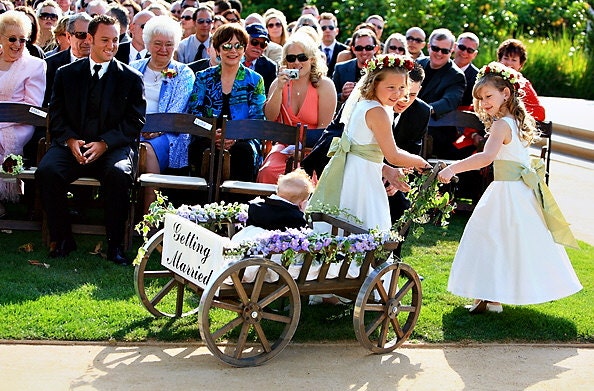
186,17
368,48
47,15
397,48
466,48
329,27
14,39
166,45
442,50
228,46
277,24
262,44
79,34
413,39
202,21
301,57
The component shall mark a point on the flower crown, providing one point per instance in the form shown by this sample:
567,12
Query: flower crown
389,61
502,71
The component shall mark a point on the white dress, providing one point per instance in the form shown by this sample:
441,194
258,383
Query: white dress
363,193
506,253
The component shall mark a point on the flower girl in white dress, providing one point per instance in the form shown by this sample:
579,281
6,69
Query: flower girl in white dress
510,251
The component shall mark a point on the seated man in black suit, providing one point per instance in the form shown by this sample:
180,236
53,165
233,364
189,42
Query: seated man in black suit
135,49
285,209
443,88
94,129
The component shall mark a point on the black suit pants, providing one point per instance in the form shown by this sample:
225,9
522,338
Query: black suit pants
115,171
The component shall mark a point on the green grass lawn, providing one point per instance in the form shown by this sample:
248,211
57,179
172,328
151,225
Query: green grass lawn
84,297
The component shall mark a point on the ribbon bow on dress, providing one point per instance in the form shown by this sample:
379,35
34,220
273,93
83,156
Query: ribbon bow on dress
330,184
533,177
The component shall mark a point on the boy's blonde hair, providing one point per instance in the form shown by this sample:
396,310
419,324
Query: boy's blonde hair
295,186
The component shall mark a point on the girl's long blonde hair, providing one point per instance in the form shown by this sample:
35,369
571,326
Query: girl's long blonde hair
515,105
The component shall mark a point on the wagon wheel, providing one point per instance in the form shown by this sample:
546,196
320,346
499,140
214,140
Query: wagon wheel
257,319
382,319
161,293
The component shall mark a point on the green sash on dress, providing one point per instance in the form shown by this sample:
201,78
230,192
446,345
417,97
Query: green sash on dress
507,170
330,184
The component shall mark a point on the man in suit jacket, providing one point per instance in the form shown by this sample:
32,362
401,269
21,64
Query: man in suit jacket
465,51
330,46
135,49
254,57
364,45
443,88
76,33
94,130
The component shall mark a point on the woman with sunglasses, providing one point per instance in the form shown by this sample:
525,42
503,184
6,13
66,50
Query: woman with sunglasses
22,78
276,24
32,46
309,99
48,14
167,88
396,44
187,24
232,90
232,16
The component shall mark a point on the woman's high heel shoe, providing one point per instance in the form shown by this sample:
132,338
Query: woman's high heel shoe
478,308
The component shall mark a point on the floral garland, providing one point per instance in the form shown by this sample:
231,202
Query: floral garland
169,73
506,73
389,61
12,165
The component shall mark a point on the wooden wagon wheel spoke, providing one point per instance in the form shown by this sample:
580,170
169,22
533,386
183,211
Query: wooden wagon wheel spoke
373,307
239,288
274,296
404,290
260,276
163,292
376,323
262,336
227,306
394,276
245,328
276,317
226,328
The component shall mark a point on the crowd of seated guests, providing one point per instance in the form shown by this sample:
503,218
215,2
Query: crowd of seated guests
228,64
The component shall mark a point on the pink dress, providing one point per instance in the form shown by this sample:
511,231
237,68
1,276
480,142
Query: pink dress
274,164
24,82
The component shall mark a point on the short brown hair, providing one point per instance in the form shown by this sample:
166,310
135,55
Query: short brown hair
513,47
226,32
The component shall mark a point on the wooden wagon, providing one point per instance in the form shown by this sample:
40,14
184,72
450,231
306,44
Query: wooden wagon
257,318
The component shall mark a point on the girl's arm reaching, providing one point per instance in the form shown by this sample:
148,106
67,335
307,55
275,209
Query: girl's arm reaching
499,134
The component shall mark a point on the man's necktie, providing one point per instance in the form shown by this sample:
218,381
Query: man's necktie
327,51
138,56
95,76
199,52
247,64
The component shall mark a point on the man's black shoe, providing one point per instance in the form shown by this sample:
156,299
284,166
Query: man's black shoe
62,248
116,255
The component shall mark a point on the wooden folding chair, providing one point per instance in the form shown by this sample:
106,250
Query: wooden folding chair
26,114
195,126
546,133
263,130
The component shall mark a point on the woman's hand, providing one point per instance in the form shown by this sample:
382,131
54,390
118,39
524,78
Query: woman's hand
445,175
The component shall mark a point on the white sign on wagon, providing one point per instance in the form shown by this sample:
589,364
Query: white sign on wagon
191,251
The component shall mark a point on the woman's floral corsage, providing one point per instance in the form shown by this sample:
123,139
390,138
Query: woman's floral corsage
506,73
390,61
169,73
12,165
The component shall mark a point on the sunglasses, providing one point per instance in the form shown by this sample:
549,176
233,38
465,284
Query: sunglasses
79,34
377,26
2,11
277,24
14,39
329,27
301,57
186,17
442,50
466,48
228,46
232,20
176,11
47,15
202,21
413,39
397,48
367,48
262,44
